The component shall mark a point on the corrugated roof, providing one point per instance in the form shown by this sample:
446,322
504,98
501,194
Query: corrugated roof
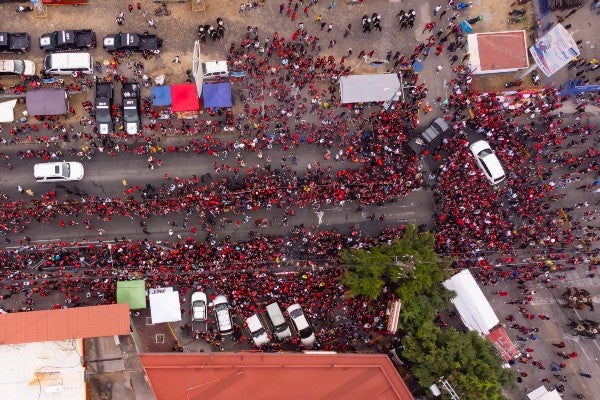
261,376
66,323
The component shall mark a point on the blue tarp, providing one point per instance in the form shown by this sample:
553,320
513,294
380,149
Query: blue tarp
161,95
216,95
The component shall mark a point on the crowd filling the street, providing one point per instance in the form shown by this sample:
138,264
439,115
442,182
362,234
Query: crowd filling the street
287,104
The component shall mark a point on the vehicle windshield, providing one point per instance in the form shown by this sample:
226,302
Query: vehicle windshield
305,333
296,313
19,66
66,170
485,152
259,333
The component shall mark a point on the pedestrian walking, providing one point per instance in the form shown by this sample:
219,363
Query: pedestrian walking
151,23
329,27
466,57
436,9
439,68
130,8
281,8
176,60
442,14
331,43
453,59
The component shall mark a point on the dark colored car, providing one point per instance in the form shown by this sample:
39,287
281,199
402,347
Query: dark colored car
131,108
132,42
430,137
80,39
104,99
17,42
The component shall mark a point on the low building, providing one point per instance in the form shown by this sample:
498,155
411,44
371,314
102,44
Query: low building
495,52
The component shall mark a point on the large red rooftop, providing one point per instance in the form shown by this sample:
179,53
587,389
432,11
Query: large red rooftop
62,324
274,376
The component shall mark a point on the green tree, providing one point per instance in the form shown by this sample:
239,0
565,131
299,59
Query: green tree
467,360
409,266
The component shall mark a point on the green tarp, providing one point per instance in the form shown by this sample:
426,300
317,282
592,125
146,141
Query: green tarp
132,293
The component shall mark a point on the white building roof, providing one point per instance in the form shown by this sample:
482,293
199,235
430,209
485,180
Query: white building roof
43,370
474,309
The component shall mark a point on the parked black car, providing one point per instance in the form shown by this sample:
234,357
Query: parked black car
80,39
132,42
104,99
131,108
14,42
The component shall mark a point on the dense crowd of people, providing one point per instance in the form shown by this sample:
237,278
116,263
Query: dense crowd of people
512,231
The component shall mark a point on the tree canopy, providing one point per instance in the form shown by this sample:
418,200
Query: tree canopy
410,268
468,361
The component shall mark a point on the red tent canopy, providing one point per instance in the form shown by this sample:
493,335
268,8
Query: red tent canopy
184,97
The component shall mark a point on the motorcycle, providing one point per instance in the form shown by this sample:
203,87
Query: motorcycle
516,20
162,11
518,82
475,20
462,6
517,11
535,77
22,9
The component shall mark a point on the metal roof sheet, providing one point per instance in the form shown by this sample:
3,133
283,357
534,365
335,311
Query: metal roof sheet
66,323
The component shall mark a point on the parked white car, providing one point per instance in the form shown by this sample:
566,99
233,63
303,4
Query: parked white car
222,314
199,312
307,336
487,161
257,331
17,67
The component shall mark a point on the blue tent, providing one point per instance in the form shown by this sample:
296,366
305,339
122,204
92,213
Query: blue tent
161,95
216,95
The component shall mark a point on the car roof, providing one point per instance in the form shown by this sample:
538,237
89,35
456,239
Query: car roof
479,145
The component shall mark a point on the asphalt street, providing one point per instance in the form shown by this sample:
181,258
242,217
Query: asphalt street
126,174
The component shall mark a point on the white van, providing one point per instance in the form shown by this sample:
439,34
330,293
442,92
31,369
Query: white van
68,63
257,331
280,326
58,172
214,70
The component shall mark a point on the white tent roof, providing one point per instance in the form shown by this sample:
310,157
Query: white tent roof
542,393
368,88
474,309
6,111
165,307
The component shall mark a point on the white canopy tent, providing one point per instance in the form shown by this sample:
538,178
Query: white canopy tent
474,309
369,88
165,307
7,111
542,393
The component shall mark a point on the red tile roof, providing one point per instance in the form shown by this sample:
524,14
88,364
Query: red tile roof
66,323
504,345
502,50
260,376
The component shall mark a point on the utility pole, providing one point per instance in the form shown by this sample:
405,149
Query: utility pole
448,388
